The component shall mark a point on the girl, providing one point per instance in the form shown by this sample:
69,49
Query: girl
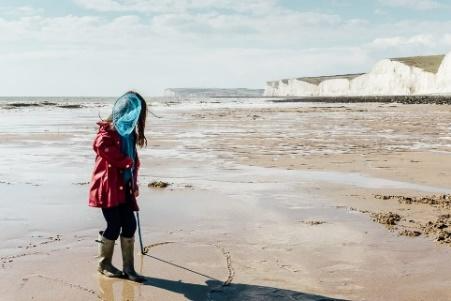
114,185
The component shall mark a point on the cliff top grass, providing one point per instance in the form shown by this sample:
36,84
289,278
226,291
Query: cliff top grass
429,63
318,80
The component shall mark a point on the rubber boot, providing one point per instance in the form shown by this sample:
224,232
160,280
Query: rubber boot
127,246
106,248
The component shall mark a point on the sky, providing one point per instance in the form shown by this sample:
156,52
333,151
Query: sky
105,47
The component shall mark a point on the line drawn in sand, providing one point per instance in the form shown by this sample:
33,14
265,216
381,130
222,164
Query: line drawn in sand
62,282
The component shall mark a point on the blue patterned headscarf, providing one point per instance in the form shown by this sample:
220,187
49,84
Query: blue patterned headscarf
126,113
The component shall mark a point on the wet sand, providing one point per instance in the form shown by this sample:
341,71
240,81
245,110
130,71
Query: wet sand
266,202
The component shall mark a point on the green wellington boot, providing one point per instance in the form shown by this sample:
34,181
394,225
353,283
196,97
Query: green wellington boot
106,248
127,246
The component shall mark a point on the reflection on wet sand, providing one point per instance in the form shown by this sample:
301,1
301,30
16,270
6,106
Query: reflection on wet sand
109,287
106,287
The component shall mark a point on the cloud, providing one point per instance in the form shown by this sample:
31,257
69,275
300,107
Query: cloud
106,5
19,11
177,6
413,4
425,40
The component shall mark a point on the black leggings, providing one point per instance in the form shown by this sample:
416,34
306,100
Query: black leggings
119,218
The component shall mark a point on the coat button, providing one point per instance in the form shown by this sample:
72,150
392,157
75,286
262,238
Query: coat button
109,165
127,166
121,188
131,192
117,142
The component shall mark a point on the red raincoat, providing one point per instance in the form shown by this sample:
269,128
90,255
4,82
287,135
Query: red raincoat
107,185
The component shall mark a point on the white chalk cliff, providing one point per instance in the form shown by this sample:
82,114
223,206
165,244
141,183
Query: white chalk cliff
398,76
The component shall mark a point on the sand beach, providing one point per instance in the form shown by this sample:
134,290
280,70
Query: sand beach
266,201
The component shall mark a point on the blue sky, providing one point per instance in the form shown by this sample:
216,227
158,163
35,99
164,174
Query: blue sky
103,47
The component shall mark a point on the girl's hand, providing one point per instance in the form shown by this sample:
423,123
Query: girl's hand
136,193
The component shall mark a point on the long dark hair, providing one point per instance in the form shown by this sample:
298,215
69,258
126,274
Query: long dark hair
141,139
140,136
